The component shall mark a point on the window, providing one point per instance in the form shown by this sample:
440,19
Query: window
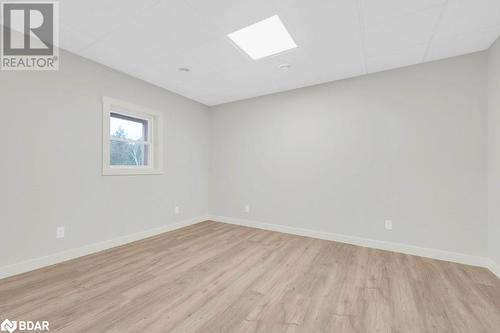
132,139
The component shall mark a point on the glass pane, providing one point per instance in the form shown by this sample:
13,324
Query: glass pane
125,127
128,153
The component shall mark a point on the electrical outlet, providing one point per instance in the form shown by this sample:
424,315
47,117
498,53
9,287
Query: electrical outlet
176,210
60,232
247,209
388,224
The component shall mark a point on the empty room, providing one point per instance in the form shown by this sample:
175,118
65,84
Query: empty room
250,166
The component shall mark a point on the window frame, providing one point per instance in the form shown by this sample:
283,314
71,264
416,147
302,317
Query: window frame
154,140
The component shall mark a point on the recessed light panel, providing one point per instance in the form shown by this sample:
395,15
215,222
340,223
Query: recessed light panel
263,38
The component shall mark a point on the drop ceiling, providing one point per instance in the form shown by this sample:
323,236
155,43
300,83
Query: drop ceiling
337,39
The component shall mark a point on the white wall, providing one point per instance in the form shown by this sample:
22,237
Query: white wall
50,129
407,145
494,152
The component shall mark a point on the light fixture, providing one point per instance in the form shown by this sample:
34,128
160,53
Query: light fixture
263,38
184,69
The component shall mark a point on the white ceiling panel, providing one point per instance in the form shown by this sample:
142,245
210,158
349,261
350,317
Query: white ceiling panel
462,44
466,16
73,39
375,12
389,60
336,39
99,17
403,31
232,15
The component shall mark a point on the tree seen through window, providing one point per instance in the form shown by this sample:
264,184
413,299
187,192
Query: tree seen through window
126,152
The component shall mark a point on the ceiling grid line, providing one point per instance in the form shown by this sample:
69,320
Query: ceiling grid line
363,34
435,30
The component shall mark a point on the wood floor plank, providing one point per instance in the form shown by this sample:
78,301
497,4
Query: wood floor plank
215,277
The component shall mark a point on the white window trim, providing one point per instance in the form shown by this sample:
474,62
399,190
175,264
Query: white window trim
155,130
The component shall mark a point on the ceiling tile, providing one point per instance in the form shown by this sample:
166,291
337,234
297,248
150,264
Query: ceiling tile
99,17
218,54
463,16
378,11
232,15
461,44
401,32
74,40
204,62
386,60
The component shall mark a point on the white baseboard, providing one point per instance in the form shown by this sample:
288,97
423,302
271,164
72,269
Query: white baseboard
29,265
55,258
371,243
493,267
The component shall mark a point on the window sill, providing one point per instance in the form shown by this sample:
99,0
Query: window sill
131,171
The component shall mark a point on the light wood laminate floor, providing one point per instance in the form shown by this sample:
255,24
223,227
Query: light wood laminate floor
215,277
